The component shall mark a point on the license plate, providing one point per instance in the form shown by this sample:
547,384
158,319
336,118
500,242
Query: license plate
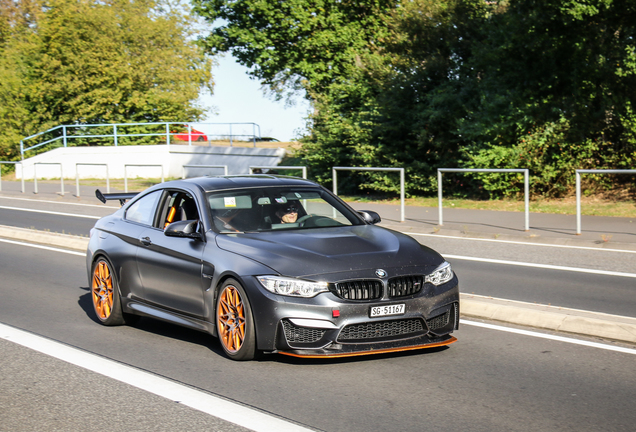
378,311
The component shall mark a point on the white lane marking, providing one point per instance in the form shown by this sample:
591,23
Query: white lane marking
50,212
58,202
521,243
549,336
542,266
43,247
197,399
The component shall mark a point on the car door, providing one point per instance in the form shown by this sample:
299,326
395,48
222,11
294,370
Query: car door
170,267
123,240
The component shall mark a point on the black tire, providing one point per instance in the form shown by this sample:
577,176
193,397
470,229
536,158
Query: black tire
234,322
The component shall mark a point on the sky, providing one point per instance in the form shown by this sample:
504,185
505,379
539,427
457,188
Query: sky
239,99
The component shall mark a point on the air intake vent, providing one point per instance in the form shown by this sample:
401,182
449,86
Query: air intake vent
358,290
295,334
378,330
405,286
439,321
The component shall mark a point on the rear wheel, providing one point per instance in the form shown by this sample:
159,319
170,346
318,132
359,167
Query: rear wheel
105,294
234,322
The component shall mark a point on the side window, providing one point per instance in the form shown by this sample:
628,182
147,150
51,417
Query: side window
143,210
178,206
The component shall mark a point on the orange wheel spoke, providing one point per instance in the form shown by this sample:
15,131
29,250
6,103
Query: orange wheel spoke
102,290
231,319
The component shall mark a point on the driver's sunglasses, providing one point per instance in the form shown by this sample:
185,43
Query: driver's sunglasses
291,209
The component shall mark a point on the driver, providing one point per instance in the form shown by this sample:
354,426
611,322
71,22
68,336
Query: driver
288,213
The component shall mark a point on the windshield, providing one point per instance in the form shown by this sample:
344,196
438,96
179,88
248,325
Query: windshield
268,209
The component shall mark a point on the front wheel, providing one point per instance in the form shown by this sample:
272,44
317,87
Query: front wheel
234,322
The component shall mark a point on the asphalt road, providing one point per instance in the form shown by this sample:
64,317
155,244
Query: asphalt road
75,218
488,381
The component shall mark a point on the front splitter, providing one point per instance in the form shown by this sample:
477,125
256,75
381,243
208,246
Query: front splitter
339,354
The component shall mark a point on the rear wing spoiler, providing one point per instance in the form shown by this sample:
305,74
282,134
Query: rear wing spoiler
122,197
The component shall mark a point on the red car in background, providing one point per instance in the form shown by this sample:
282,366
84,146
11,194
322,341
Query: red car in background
194,135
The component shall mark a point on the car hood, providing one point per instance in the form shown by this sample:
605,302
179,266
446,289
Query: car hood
355,250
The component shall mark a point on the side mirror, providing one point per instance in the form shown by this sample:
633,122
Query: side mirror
186,228
370,217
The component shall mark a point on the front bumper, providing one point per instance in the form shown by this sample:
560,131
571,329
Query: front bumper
327,326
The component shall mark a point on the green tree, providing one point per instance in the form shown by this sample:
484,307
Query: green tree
425,84
85,61
564,67
405,100
461,83
295,44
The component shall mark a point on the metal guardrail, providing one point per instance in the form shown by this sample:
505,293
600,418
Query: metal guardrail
578,189
400,170
335,180
224,167
12,163
526,183
139,165
116,133
299,167
35,177
77,185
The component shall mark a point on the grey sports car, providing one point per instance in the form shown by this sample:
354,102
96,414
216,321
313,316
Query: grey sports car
269,264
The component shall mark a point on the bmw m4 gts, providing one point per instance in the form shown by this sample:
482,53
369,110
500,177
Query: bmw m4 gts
269,264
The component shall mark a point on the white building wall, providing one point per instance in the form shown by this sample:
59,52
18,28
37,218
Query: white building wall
169,158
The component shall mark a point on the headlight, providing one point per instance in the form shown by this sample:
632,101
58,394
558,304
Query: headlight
292,287
441,275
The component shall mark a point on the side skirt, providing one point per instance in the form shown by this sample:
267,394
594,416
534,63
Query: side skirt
143,309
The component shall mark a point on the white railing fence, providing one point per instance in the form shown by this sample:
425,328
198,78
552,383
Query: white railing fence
400,170
10,163
77,178
440,171
35,176
578,189
526,189
137,166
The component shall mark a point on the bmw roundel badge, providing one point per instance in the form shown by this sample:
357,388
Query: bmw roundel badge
380,273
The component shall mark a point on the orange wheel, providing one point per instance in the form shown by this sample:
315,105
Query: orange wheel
234,322
105,294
